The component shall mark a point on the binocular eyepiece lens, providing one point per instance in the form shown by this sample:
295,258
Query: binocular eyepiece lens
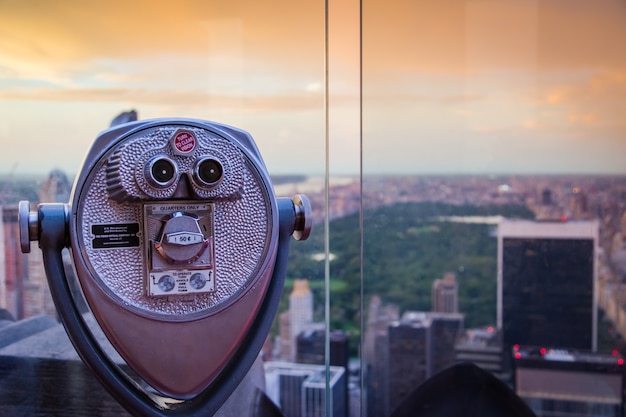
209,171
162,171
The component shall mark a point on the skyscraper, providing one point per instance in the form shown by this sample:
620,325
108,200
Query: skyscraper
298,318
547,283
14,264
56,189
421,344
376,356
445,294
401,354
546,197
311,348
300,389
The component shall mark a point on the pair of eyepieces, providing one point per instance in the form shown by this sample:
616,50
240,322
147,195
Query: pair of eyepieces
162,172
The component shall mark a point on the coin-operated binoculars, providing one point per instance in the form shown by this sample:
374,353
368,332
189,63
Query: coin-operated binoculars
180,248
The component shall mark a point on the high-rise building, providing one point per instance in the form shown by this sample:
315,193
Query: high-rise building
300,389
376,356
546,197
445,294
284,338
564,383
311,348
547,278
298,318
405,353
56,189
421,344
409,358
14,264
300,306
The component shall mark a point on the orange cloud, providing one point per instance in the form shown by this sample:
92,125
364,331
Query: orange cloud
295,100
556,96
586,105
585,118
469,35
72,34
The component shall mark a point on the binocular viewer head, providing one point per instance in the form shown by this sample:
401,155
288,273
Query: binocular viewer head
176,162
177,241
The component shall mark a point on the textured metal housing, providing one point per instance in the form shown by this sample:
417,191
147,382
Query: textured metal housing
115,190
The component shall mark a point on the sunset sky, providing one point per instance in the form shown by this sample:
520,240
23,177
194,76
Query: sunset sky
449,86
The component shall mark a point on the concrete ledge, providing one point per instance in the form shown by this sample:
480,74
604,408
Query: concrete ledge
14,332
41,374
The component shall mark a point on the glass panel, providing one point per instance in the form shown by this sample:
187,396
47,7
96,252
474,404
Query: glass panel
66,70
321,298
484,123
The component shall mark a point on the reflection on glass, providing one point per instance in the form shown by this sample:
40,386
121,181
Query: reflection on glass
62,80
476,113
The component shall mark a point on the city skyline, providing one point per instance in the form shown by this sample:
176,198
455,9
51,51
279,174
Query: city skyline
463,87
579,197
